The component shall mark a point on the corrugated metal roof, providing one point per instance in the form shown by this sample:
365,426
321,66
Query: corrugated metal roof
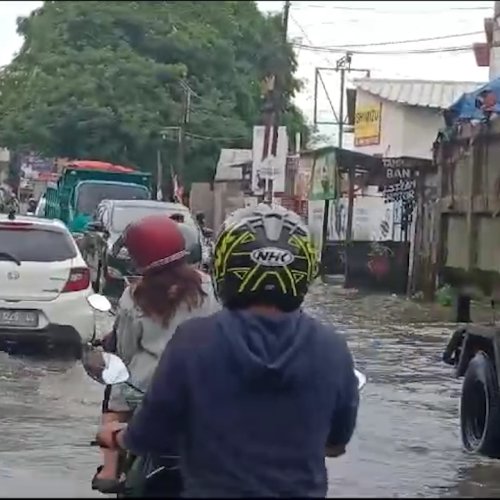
226,170
424,93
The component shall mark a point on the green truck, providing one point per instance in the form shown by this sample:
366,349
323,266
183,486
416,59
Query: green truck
84,184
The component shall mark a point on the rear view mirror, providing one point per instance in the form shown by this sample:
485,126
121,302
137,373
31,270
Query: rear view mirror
99,302
104,367
115,372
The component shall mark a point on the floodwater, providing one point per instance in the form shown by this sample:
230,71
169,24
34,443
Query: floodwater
406,443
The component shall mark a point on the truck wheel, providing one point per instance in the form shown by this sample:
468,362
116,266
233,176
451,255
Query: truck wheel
480,408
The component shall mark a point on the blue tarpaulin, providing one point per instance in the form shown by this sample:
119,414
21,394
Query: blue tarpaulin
468,107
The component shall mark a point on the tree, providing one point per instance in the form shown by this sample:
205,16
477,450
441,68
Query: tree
103,79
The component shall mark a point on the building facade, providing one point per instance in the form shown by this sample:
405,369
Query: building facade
4,164
410,114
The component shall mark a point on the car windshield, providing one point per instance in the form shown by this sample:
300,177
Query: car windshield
35,244
90,195
123,216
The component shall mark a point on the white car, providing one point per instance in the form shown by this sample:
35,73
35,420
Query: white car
44,284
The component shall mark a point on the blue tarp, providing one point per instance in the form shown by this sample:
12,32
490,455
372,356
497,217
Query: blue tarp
468,108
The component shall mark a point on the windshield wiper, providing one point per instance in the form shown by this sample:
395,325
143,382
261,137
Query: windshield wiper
9,256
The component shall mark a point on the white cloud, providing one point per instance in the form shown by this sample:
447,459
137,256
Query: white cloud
10,41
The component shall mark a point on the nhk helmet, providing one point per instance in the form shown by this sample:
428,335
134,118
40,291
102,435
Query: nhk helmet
263,255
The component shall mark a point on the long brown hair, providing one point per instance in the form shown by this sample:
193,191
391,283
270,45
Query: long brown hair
159,293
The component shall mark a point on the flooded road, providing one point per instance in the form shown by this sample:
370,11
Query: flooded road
406,443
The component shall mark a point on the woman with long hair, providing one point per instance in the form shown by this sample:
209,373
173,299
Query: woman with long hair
170,291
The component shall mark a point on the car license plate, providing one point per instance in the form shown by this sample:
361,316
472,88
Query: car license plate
20,319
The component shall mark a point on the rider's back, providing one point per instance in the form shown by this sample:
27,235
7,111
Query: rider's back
141,340
262,395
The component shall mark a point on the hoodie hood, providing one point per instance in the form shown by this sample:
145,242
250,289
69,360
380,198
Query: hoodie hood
265,347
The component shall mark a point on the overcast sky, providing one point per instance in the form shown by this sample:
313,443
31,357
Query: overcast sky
341,24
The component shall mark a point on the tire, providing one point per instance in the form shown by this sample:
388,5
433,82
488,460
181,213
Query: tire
97,282
480,408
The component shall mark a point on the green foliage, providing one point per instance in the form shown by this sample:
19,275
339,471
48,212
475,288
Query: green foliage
444,296
101,80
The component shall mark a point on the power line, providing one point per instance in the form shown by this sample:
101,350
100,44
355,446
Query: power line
203,137
414,40
374,10
308,40
341,49
207,138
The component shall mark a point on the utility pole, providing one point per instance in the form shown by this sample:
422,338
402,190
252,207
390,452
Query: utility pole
272,108
181,138
286,16
159,173
343,65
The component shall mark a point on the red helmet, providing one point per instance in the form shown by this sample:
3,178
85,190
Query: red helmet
154,241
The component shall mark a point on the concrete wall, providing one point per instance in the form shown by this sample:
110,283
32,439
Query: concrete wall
421,126
4,172
201,199
228,196
4,155
4,164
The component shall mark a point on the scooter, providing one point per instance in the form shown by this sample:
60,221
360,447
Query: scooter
145,477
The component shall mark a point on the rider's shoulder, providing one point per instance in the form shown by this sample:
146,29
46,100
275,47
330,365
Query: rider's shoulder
325,332
195,331
126,301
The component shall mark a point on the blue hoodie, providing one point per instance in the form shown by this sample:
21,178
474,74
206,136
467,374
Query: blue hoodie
250,403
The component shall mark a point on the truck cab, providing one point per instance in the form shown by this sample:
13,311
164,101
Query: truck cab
80,189
88,194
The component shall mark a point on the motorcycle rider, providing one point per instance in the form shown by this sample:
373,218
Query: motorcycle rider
170,291
252,397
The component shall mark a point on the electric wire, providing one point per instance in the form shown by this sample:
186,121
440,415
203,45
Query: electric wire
373,10
343,49
400,42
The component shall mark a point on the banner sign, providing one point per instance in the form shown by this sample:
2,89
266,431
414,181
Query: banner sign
367,125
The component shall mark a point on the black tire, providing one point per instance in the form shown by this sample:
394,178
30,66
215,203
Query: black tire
97,282
480,408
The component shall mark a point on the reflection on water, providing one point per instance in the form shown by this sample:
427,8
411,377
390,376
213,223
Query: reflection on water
406,443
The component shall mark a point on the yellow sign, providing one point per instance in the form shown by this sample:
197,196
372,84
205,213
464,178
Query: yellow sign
367,125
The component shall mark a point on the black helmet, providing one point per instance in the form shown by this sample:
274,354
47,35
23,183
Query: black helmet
263,255
192,238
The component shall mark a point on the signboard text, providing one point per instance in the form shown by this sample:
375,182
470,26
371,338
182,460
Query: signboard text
367,124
